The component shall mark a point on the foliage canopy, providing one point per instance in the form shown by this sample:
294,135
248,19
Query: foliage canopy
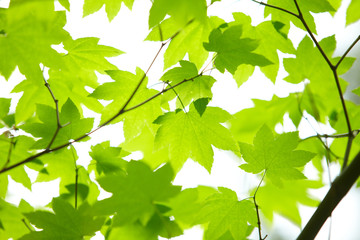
173,119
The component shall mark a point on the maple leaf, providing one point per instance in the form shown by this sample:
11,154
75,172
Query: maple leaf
275,155
112,7
319,93
190,135
65,223
199,87
275,40
106,158
351,14
76,126
187,40
135,195
232,50
225,213
125,83
28,29
182,11
271,112
11,220
306,6
285,200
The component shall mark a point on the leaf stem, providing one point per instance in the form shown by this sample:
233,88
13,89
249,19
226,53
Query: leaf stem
76,186
257,208
354,132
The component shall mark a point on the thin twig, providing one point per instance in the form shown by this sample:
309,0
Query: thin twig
76,185
354,132
58,124
347,51
257,208
177,95
31,158
275,7
12,143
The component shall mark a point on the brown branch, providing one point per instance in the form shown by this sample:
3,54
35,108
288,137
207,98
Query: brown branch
347,51
338,190
275,7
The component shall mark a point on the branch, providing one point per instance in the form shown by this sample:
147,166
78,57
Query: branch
31,158
59,126
257,208
347,51
354,132
275,7
338,190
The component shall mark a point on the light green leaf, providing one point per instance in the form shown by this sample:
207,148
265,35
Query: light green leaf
74,125
182,11
232,50
107,159
285,200
189,135
29,30
112,7
198,87
65,223
275,155
135,194
352,13
11,224
224,212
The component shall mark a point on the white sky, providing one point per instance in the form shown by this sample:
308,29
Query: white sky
126,32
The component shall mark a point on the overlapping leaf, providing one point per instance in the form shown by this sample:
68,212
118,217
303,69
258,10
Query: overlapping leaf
65,223
191,135
285,200
186,39
119,92
135,195
275,155
112,7
28,29
225,213
232,50
306,7
309,64
74,125
198,87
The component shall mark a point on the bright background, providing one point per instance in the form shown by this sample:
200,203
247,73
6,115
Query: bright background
126,32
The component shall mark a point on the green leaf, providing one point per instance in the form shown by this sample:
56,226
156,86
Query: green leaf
11,224
182,11
126,82
352,15
318,97
232,50
19,149
224,212
188,40
189,135
74,125
65,223
107,159
135,194
30,28
198,87
275,155
65,4
285,200
4,107
307,7
275,40
112,7
272,112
